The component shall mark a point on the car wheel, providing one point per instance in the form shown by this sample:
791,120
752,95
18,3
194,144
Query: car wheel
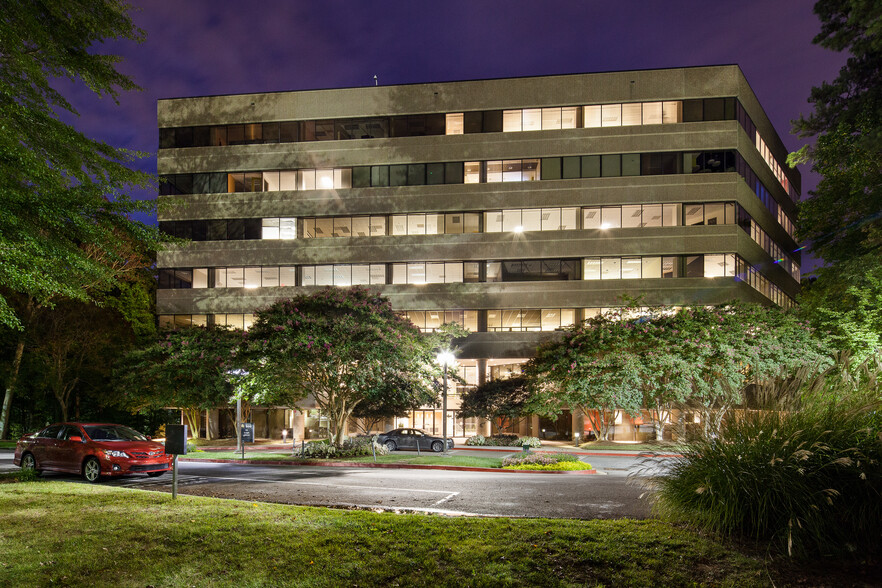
29,463
155,474
91,470
390,445
437,446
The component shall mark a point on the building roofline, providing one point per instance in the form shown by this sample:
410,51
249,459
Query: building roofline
524,77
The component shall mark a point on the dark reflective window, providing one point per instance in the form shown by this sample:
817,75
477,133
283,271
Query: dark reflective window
253,228
571,168
218,136
324,130
416,174
201,136
217,230
610,165
492,120
184,137
236,134
167,138
236,229
453,173
380,175
550,168
694,266
434,173
397,175
473,122
693,111
590,166
270,132
289,132
361,177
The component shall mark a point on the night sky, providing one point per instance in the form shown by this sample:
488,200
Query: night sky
202,47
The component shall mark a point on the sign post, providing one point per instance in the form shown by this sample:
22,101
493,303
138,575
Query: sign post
175,444
246,433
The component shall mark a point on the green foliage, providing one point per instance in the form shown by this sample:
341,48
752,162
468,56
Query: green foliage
80,525
842,219
343,347
351,447
545,461
185,368
844,305
497,400
661,358
65,226
807,480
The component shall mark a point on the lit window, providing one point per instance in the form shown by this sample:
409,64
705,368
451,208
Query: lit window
454,124
591,116
532,119
511,120
611,115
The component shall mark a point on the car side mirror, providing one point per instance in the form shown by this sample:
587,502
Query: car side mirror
75,438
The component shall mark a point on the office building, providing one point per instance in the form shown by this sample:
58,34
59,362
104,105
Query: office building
513,206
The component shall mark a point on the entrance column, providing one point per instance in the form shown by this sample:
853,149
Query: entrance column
578,424
297,424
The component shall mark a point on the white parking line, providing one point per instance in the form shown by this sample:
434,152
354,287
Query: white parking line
449,493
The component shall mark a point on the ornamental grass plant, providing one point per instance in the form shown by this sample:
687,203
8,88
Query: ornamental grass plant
809,481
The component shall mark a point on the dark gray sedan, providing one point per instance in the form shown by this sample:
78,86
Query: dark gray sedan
411,439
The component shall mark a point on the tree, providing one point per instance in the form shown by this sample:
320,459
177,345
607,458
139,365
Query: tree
503,401
72,341
189,368
592,367
65,224
735,345
842,219
394,397
339,346
845,306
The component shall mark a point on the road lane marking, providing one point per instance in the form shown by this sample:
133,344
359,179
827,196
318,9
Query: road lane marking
446,498
335,485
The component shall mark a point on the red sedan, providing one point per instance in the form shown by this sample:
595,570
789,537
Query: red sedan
92,450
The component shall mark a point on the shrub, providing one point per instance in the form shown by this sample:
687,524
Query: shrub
544,461
529,441
559,466
541,459
27,476
807,481
352,447
476,440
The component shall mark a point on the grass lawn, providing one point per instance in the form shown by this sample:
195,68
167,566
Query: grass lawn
64,534
7,444
409,457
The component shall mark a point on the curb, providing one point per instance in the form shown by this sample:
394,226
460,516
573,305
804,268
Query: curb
352,464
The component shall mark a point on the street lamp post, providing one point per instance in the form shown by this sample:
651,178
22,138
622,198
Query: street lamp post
444,358
237,373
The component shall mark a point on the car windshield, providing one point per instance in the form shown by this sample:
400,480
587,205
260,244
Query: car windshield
113,433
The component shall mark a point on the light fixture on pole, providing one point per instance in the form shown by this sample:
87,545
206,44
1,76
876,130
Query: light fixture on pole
444,358
238,372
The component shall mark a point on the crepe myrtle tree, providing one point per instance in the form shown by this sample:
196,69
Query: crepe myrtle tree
501,401
342,347
187,368
732,346
394,397
592,367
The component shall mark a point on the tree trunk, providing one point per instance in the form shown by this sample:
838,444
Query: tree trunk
6,413
194,418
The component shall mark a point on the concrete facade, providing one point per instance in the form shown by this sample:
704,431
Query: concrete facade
756,243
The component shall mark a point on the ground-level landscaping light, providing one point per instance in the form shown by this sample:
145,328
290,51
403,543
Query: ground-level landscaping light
444,358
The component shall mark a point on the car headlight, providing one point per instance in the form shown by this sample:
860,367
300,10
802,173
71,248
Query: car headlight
115,453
